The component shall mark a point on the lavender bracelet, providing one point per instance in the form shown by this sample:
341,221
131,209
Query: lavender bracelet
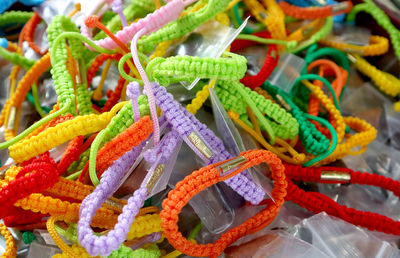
109,181
198,136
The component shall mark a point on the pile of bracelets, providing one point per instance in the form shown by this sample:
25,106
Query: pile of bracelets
198,128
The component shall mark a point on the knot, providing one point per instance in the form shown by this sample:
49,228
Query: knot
91,21
28,237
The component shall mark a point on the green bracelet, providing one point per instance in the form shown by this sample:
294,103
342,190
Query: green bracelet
16,58
182,26
14,17
381,18
187,68
280,123
313,141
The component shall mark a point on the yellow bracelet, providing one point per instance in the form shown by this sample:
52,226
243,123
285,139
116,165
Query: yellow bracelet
366,134
59,242
378,45
11,246
63,132
386,82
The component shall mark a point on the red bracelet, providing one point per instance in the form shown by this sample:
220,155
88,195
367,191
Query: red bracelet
271,60
210,175
46,175
311,13
19,217
317,202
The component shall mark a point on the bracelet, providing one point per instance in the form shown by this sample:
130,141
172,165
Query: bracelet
18,17
317,202
280,124
11,246
312,140
378,46
311,13
381,18
386,82
54,136
271,61
187,68
210,175
366,133
150,23
273,18
109,182
115,128
183,25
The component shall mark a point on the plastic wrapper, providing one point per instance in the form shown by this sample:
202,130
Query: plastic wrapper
337,238
349,34
287,71
51,8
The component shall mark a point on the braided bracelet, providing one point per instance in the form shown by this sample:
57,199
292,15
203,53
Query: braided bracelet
183,25
69,212
54,136
381,18
386,82
377,46
283,125
150,23
186,68
272,18
210,175
18,17
317,202
203,142
11,246
315,12
109,182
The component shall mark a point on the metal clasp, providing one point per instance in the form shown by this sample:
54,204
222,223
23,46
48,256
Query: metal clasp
231,164
154,177
331,175
339,7
200,145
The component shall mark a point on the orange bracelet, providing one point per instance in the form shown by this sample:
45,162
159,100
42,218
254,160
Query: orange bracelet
210,175
311,13
337,85
25,84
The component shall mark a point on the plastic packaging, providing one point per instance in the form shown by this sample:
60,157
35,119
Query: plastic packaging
286,72
48,9
337,238
349,34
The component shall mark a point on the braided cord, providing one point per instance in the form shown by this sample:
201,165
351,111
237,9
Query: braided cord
187,68
14,17
182,26
381,18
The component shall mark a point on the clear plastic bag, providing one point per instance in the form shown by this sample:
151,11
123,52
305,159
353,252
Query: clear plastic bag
349,34
337,238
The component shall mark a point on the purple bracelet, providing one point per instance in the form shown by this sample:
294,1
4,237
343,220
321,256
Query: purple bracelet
104,245
187,125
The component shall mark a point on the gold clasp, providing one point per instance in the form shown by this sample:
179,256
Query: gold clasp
331,175
200,145
154,177
231,164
